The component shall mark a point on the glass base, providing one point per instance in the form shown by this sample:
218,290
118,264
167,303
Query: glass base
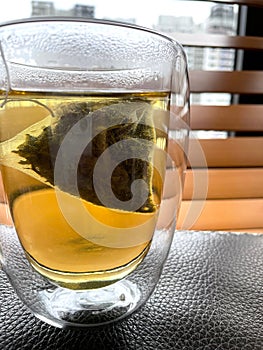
68,308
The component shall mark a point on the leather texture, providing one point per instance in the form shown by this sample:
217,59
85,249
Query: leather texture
210,297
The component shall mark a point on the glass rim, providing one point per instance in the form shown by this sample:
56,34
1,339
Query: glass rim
139,34
72,19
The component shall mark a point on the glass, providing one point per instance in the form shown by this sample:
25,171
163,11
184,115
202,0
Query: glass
93,131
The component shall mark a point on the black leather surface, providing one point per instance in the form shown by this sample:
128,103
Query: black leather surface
210,297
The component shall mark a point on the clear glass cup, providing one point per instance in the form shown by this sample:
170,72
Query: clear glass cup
93,131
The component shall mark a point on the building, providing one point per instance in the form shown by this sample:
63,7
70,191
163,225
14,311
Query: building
222,20
42,8
170,24
83,11
47,8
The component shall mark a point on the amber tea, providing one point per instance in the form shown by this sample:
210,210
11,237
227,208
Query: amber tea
75,213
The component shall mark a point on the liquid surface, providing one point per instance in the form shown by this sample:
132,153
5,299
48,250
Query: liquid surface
83,176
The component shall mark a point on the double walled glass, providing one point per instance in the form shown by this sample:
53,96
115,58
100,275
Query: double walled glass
93,131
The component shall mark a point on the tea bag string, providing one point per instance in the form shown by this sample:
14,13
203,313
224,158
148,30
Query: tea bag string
7,76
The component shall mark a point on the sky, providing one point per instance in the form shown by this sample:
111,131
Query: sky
146,12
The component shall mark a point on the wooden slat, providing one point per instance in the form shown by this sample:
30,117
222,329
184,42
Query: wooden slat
228,118
240,2
5,216
224,183
236,82
2,192
221,214
218,41
231,152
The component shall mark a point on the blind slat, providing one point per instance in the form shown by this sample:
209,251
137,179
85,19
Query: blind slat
229,118
223,183
230,152
221,214
236,82
219,41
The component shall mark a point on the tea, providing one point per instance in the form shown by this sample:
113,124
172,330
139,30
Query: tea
69,163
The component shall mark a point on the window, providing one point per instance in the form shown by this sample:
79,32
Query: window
168,16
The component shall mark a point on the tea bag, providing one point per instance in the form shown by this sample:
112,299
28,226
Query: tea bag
111,130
